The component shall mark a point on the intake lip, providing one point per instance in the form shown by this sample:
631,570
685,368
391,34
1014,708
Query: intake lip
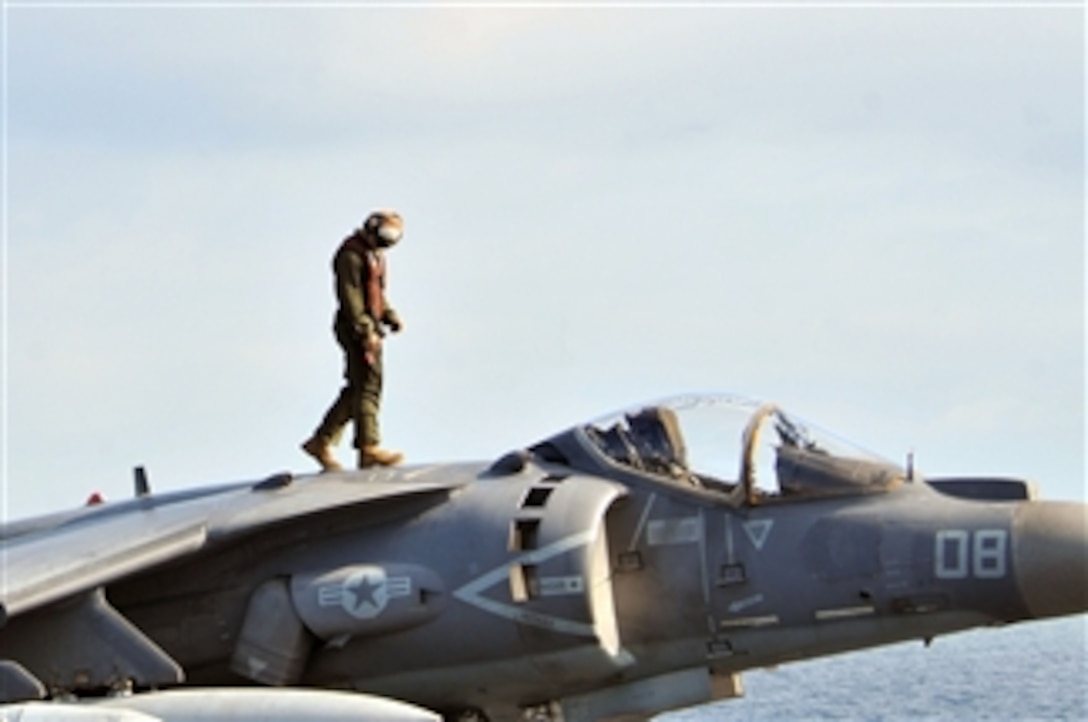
1050,557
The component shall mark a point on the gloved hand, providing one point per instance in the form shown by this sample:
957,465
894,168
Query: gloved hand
392,320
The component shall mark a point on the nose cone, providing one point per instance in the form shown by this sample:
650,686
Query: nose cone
1050,554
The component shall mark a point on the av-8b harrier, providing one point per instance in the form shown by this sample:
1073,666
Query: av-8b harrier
625,566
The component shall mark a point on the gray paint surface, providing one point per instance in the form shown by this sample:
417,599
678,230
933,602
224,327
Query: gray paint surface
625,566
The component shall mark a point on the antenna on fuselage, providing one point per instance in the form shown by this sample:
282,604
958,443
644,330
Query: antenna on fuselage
139,475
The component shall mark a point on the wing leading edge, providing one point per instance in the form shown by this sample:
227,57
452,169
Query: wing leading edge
107,544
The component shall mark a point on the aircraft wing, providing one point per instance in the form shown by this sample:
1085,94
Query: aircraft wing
54,564
107,543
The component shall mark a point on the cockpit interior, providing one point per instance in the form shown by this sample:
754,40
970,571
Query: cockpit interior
754,453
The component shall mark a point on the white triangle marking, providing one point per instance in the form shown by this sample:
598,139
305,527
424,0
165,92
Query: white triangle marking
758,531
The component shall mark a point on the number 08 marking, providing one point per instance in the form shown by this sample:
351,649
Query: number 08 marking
957,557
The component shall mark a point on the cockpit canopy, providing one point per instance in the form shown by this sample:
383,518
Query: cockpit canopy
754,453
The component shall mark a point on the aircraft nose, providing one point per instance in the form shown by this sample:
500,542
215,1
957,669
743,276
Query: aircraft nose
1050,554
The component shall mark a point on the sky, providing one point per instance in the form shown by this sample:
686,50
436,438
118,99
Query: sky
870,213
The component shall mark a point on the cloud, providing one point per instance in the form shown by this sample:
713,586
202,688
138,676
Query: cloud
234,76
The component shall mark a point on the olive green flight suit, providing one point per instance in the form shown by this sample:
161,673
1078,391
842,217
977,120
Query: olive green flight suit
359,274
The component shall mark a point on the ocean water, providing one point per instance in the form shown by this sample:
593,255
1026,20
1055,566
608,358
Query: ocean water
1030,671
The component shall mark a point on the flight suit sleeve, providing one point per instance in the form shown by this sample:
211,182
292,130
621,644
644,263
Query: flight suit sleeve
351,293
390,317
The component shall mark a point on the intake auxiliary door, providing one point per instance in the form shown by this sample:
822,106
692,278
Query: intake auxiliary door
558,587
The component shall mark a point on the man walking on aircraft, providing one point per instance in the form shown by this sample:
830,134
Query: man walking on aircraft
362,316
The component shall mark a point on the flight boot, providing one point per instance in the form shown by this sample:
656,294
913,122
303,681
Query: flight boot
319,449
376,456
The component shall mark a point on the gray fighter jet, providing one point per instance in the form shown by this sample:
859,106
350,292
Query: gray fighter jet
625,566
